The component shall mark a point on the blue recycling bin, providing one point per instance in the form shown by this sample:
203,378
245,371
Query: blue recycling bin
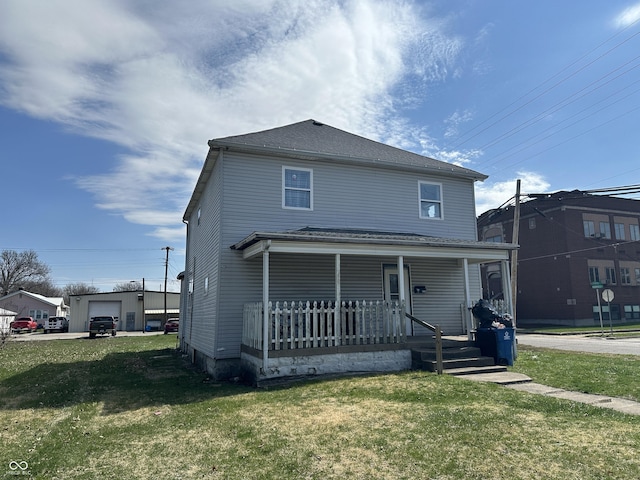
498,343
505,338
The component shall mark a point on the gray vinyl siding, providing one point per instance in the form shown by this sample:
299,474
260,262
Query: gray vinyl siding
345,196
203,261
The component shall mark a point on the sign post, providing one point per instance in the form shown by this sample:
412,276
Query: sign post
607,296
597,286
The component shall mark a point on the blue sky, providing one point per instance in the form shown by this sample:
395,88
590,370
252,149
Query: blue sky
106,106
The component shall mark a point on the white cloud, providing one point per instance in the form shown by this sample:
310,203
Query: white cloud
493,194
454,121
628,16
161,80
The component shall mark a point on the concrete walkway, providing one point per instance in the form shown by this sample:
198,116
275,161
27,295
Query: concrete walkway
518,381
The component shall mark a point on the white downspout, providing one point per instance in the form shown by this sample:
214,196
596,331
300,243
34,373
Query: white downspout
337,280
265,306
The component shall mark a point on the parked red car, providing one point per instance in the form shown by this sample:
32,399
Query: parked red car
172,325
24,324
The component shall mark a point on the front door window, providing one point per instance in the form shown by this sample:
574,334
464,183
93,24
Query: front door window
392,289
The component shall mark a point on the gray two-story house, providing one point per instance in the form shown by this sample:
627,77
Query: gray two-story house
307,246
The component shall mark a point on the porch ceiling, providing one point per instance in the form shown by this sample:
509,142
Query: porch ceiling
360,242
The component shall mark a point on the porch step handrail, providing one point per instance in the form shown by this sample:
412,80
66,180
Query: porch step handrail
438,332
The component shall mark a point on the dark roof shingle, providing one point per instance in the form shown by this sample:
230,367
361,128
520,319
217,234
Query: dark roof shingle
309,138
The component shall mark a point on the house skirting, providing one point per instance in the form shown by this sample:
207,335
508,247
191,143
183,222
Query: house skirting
319,362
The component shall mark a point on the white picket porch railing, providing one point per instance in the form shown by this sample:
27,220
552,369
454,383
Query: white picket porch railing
297,325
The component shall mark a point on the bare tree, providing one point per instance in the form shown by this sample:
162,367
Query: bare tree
78,289
132,286
16,268
43,286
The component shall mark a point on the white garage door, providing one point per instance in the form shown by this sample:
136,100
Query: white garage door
97,309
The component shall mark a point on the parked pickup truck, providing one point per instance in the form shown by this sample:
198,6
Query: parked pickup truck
24,324
56,324
103,326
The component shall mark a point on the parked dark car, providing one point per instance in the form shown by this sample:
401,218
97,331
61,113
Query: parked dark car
24,324
172,325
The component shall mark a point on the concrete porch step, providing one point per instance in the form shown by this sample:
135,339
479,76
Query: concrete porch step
450,353
457,364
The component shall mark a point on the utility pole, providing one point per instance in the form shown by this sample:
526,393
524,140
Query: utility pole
166,270
514,254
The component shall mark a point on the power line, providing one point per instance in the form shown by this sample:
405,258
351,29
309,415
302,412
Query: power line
463,141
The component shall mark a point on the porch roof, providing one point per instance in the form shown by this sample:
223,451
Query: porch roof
365,242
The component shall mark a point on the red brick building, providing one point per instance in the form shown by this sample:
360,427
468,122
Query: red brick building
570,242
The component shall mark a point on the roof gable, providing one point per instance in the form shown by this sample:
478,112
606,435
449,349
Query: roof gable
311,137
55,301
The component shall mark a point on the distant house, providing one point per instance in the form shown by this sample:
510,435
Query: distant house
135,310
308,245
39,307
6,317
573,245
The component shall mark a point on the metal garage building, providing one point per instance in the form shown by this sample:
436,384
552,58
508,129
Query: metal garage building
134,310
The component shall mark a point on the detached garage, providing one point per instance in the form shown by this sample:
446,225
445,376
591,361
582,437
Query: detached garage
132,309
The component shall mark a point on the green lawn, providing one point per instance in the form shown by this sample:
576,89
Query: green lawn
131,408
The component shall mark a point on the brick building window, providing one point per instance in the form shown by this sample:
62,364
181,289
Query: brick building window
632,312
589,228
611,275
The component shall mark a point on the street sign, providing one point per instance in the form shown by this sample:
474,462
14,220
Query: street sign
607,295
596,285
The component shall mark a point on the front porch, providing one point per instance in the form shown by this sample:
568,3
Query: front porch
312,337
319,338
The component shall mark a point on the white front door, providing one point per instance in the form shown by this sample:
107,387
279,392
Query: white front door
392,290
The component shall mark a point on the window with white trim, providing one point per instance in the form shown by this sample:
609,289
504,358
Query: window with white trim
635,232
297,188
430,200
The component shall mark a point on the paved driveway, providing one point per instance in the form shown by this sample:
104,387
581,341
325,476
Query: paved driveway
581,343
29,337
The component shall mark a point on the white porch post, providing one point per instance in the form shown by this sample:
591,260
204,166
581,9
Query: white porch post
401,293
265,306
506,286
338,287
467,299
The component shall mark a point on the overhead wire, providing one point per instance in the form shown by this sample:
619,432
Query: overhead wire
462,140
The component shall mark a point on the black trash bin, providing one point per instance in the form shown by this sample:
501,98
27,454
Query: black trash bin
497,343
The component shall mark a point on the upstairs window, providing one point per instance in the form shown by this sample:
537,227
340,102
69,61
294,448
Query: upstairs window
594,274
589,228
635,232
625,276
611,275
297,188
605,230
430,200
619,231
